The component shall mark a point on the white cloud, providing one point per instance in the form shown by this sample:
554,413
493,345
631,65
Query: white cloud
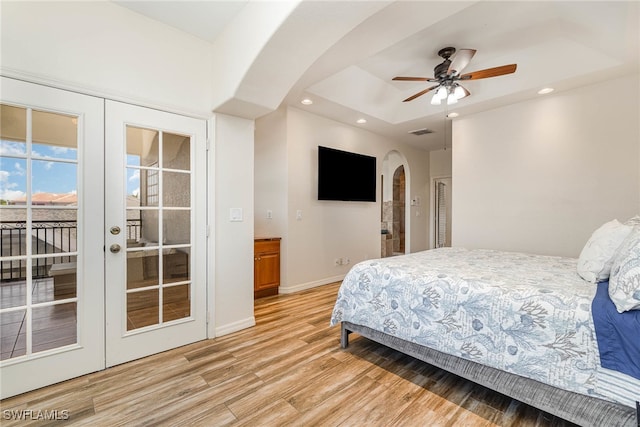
135,176
7,191
12,148
5,184
18,169
6,194
48,165
59,150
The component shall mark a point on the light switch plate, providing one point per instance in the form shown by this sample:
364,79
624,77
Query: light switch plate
235,214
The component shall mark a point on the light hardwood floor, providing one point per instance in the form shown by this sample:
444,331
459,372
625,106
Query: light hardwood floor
287,370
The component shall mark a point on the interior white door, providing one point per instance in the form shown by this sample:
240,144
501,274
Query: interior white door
155,231
51,214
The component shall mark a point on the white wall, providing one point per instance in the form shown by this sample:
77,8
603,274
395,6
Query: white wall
328,229
440,163
271,180
100,48
541,176
234,240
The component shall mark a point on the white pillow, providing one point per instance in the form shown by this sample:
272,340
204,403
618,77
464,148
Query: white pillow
594,263
624,285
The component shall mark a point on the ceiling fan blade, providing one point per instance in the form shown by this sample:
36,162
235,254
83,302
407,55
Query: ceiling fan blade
412,97
489,72
460,60
413,79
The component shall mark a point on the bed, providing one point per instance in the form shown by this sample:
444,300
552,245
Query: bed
519,324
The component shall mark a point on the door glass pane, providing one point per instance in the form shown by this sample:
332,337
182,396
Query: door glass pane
13,333
13,229
177,227
38,180
175,265
54,326
133,231
149,230
54,135
158,171
53,280
142,146
176,151
150,187
142,309
176,191
13,180
142,269
176,303
13,293
54,183
55,231
13,129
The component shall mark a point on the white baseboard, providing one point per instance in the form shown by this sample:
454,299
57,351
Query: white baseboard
235,326
309,285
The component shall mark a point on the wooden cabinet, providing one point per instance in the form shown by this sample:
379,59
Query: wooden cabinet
266,267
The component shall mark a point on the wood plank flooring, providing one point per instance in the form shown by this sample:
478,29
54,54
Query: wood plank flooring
288,370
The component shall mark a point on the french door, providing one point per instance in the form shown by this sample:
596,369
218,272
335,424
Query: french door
155,238
103,234
51,217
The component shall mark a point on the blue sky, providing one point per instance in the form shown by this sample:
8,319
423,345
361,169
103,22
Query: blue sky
49,173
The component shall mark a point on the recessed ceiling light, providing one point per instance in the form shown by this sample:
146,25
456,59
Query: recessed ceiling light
306,101
545,91
361,121
453,115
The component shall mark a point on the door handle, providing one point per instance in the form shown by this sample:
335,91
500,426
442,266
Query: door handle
115,248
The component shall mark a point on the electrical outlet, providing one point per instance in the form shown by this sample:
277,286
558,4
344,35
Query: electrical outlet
269,214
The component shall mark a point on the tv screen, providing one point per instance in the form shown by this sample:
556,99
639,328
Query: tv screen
346,176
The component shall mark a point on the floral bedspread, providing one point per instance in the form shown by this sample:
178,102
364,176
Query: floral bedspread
526,314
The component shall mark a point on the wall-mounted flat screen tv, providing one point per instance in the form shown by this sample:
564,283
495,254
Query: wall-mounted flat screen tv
343,175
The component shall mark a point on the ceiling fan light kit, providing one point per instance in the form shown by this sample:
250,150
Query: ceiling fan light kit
447,74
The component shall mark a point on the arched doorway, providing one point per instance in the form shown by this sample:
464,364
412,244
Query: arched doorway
399,189
393,209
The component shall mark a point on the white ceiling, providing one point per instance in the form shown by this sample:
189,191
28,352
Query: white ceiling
201,18
555,44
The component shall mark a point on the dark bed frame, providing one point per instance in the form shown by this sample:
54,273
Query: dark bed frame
574,407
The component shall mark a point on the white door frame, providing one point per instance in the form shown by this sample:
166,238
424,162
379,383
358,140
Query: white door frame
87,355
123,345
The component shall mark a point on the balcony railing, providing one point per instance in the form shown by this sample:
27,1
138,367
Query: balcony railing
47,237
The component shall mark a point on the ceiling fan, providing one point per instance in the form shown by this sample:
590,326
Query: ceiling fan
447,74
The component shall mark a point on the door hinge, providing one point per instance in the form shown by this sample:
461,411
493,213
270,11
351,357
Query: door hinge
208,143
208,230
